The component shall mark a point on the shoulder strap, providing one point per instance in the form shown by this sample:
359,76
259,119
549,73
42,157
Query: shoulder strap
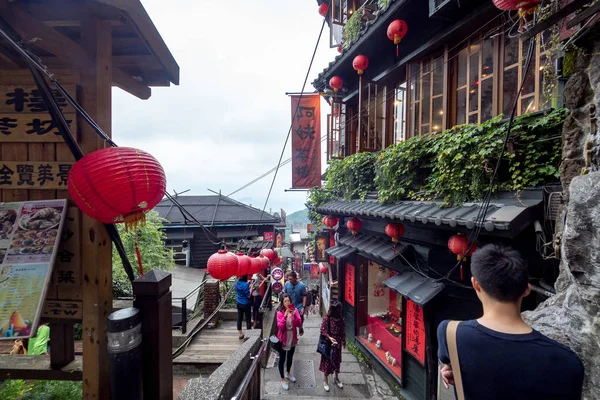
454,361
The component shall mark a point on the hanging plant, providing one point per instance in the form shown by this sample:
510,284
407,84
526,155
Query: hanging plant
351,29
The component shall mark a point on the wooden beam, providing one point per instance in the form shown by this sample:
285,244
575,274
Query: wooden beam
46,38
38,367
77,23
140,62
554,18
579,18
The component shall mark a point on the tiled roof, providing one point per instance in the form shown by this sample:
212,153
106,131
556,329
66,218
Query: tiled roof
414,286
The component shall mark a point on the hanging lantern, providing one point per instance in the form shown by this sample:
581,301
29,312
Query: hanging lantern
360,63
222,265
525,9
339,48
117,184
255,265
323,268
269,254
459,245
323,10
184,246
277,261
264,262
244,264
330,222
395,231
396,31
336,83
354,224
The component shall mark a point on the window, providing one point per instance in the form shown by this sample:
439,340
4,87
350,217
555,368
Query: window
341,10
383,332
336,131
371,127
400,113
427,89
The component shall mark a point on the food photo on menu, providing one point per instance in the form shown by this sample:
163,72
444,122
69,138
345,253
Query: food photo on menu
9,213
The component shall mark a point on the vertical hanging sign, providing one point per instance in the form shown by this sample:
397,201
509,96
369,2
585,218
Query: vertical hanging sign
415,331
349,295
306,141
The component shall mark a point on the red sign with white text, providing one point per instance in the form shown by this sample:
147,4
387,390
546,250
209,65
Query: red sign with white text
306,141
349,285
415,331
269,236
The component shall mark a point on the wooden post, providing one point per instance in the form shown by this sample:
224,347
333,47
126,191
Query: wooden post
153,298
63,344
96,254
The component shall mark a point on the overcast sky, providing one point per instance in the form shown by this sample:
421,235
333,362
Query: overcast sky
225,124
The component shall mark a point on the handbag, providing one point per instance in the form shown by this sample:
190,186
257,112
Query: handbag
276,343
324,346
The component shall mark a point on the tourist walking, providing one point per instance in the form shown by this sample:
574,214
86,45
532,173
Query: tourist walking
257,283
333,328
297,290
242,293
288,322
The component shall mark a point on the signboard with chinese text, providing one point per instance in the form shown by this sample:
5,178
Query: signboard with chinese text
306,141
321,244
33,230
58,309
34,175
314,271
308,228
32,128
67,268
28,99
349,284
415,331
269,236
331,244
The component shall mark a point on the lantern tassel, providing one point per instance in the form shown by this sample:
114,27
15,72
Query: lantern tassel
461,272
396,51
134,220
138,256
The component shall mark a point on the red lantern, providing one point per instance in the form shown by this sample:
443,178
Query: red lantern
339,48
255,265
525,8
360,63
269,254
244,264
264,261
336,83
330,222
323,10
459,245
397,30
323,268
395,231
222,265
354,224
117,184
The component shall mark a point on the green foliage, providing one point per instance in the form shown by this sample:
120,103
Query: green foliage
381,4
351,29
154,253
78,331
455,166
356,352
40,390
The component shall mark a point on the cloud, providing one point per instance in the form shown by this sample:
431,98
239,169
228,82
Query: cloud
226,123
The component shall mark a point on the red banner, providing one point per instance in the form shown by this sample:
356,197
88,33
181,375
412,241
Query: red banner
331,244
349,285
269,236
306,141
415,331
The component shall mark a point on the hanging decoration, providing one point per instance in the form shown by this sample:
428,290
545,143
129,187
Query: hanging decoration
396,31
330,222
525,8
255,265
395,231
336,83
360,63
323,10
264,262
277,261
339,48
222,265
323,268
269,254
354,224
459,245
244,264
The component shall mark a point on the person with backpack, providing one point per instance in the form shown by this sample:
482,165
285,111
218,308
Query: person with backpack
499,356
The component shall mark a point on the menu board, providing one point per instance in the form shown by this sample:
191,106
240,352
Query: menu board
29,238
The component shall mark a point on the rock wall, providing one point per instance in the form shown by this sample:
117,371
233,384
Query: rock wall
572,316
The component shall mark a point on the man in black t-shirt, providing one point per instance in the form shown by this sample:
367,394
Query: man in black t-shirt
500,356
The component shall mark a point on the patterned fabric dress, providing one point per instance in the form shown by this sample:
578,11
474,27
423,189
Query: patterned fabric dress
337,331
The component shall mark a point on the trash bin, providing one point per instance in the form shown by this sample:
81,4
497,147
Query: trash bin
125,354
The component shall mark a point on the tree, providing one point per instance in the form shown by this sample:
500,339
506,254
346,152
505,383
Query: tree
155,255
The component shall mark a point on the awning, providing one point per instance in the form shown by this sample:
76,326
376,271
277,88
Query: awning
176,234
285,252
414,286
340,252
373,246
250,245
240,233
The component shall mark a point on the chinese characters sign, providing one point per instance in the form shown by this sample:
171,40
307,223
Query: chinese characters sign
306,141
34,175
269,236
415,331
30,233
67,271
349,286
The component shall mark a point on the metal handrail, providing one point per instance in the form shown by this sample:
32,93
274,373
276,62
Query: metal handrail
183,301
267,287
249,375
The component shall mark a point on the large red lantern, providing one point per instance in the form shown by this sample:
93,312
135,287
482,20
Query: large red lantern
354,224
244,264
395,231
323,10
329,222
360,63
222,265
255,265
269,254
525,8
459,245
340,48
117,184
264,261
396,31
336,83
323,268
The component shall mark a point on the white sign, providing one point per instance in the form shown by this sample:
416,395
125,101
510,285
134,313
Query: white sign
325,292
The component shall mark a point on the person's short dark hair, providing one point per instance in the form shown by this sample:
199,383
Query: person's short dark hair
335,311
501,272
243,278
293,274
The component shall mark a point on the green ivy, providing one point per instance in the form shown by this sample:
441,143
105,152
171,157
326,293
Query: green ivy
455,166
356,352
381,4
351,29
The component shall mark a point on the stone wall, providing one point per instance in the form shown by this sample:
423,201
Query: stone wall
572,316
211,297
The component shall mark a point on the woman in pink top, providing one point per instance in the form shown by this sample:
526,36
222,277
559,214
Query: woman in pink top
288,322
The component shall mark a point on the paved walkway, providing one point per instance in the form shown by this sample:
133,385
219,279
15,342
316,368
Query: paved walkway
359,381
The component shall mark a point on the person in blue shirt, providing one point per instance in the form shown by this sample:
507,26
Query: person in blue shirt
297,291
242,293
500,356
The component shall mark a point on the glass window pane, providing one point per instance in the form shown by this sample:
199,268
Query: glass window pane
461,106
438,114
425,106
527,105
529,85
544,75
399,113
424,129
488,58
473,119
510,90
511,51
414,119
438,76
487,96
462,68
474,82
415,83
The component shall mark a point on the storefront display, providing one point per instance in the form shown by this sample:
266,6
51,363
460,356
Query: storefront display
383,332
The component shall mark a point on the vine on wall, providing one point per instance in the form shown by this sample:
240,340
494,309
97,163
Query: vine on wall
455,166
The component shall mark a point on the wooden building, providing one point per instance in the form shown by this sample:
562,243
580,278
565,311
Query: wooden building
224,219
89,47
461,62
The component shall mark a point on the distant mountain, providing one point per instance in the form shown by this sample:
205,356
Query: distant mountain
298,217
